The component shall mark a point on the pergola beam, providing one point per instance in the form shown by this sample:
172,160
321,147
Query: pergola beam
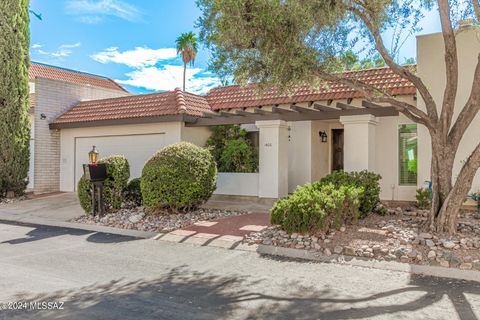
321,107
345,106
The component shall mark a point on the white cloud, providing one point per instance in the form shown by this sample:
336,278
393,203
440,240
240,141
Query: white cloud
62,51
170,77
136,58
36,46
75,45
93,11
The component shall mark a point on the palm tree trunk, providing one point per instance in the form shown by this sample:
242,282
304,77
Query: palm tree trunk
184,74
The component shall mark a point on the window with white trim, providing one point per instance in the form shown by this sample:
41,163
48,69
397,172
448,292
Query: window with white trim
407,152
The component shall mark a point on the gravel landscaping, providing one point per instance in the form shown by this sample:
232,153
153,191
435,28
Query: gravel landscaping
163,221
4,201
395,236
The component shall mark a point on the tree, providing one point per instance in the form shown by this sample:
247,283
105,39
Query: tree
187,46
14,91
283,43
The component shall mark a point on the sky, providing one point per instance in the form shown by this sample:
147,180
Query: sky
133,41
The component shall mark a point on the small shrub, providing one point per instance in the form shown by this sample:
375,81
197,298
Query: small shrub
368,181
423,198
133,192
118,172
180,176
232,150
317,207
238,156
84,192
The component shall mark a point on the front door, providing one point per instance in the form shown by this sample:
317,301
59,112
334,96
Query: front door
337,149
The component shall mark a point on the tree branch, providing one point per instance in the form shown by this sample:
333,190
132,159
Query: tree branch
375,94
469,111
476,9
398,69
451,64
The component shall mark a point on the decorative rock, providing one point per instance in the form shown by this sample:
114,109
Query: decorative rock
342,229
444,263
431,255
349,251
338,249
404,259
466,266
135,219
449,244
327,252
425,235
430,243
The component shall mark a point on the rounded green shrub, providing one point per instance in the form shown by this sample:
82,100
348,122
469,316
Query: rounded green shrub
118,172
317,207
180,176
368,181
84,192
133,193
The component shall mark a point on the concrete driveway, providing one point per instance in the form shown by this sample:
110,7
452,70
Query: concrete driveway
60,207
93,275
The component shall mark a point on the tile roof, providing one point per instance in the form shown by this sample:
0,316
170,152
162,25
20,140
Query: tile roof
56,73
248,96
178,102
139,106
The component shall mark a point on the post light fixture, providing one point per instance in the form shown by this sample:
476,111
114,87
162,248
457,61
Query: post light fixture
93,155
43,116
323,136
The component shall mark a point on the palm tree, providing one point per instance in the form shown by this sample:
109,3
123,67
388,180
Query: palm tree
187,45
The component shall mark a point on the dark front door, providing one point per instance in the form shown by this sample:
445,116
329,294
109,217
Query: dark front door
337,149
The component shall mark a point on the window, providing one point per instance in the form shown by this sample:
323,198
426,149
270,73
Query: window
407,144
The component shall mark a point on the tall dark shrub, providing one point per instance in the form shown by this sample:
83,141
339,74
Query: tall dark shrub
14,90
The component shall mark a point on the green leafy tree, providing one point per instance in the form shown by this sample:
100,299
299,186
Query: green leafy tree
14,91
187,46
283,43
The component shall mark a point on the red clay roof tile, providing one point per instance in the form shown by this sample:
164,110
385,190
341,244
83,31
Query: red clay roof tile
144,105
229,97
56,73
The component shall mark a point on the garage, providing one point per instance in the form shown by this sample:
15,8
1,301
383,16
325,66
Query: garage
137,148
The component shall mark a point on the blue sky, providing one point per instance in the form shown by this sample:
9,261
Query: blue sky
133,41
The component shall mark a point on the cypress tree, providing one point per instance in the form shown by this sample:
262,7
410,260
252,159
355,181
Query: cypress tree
14,92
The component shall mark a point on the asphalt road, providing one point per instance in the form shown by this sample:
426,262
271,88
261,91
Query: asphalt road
85,275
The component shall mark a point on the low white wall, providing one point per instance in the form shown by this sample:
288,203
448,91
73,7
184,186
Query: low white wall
238,184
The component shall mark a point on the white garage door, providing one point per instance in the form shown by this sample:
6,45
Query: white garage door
136,148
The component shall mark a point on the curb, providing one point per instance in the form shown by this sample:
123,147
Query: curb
433,271
81,226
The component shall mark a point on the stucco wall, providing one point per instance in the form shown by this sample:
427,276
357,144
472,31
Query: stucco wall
168,132
239,184
196,135
431,68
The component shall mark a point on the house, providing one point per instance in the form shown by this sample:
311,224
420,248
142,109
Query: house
302,136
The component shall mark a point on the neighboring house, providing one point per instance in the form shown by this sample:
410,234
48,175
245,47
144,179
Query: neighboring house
302,136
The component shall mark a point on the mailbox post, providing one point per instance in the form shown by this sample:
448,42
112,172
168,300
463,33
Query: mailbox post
96,173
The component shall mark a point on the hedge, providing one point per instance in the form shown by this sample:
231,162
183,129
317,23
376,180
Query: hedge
317,207
180,176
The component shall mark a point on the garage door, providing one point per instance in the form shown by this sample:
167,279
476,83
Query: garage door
136,148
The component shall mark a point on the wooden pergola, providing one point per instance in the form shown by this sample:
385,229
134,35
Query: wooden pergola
293,112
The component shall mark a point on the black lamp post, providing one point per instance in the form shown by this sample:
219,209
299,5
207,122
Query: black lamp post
96,173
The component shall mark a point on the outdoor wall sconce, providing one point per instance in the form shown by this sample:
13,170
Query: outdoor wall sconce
323,136
43,116
93,155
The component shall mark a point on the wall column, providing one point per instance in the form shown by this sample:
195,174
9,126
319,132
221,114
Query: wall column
359,142
273,159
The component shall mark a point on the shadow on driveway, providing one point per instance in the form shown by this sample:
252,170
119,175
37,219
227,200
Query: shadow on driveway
184,294
40,232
